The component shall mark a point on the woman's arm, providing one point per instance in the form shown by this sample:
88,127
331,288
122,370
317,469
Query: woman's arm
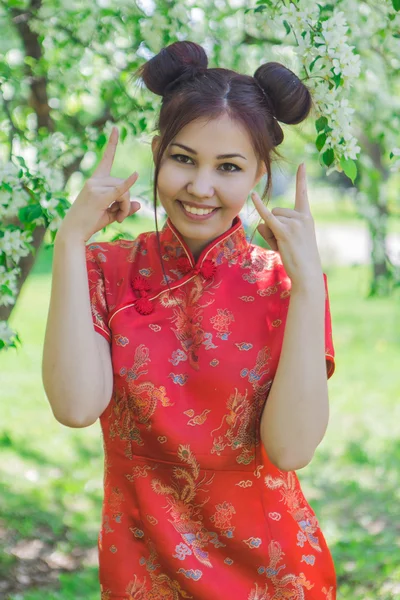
296,413
75,373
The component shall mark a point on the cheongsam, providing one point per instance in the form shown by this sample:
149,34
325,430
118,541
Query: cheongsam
193,507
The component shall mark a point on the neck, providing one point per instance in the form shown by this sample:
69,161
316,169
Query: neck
196,247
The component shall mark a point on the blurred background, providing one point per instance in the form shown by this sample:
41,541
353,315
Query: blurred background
64,81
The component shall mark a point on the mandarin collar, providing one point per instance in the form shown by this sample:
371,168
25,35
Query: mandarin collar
225,248
179,265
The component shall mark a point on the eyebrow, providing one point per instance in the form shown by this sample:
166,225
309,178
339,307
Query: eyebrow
219,155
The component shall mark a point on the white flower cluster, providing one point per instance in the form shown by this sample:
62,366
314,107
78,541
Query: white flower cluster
13,243
324,45
10,203
9,279
9,173
6,334
154,27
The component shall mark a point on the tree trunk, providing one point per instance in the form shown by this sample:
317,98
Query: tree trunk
382,274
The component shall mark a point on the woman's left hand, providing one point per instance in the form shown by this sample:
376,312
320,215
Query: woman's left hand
292,234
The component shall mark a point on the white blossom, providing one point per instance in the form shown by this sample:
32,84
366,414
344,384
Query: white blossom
13,243
6,333
9,279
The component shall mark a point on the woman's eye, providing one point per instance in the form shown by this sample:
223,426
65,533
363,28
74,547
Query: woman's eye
235,167
178,158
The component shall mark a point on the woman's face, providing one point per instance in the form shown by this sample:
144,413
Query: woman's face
200,189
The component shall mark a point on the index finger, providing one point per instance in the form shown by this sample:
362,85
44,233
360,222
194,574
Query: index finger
105,164
301,202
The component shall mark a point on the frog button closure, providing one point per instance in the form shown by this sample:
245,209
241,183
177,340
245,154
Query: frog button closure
206,270
142,304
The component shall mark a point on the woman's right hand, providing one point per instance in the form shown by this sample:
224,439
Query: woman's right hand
102,200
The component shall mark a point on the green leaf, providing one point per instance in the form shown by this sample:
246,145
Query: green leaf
124,133
391,155
321,123
337,79
260,8
101,140
396,4
349,168
143,123
326,7
27,214
7,186
287,27
5,290
320,141
328,157
314,61
21,161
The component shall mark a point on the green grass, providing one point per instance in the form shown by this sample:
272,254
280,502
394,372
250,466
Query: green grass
53,475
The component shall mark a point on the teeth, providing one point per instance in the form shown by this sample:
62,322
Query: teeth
197,211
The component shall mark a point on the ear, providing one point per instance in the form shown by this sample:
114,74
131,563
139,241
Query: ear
155,142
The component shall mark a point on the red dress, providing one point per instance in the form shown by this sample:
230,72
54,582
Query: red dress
193,508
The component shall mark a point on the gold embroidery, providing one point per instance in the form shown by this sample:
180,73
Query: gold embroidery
297,508
186,514
240,430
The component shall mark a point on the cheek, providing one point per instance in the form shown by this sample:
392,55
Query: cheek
235,203
236,193
170,181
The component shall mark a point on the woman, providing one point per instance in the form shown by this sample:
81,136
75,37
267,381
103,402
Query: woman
209,358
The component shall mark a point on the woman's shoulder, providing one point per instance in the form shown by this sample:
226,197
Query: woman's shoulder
264,258
114,249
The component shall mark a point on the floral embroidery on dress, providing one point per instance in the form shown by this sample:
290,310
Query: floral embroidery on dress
221,322
222,518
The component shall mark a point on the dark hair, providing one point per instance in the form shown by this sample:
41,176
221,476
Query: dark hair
191,91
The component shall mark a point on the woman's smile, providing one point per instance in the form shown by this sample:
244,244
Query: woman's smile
194,212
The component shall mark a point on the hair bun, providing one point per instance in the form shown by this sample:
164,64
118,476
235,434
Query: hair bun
174,63
290,99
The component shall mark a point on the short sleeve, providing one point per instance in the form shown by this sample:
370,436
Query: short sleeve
329,349
97,290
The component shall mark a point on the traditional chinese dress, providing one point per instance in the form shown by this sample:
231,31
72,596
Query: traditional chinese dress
193,507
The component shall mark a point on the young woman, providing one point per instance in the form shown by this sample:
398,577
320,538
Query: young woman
208,357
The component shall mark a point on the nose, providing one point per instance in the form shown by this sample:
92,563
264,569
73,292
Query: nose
200,185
